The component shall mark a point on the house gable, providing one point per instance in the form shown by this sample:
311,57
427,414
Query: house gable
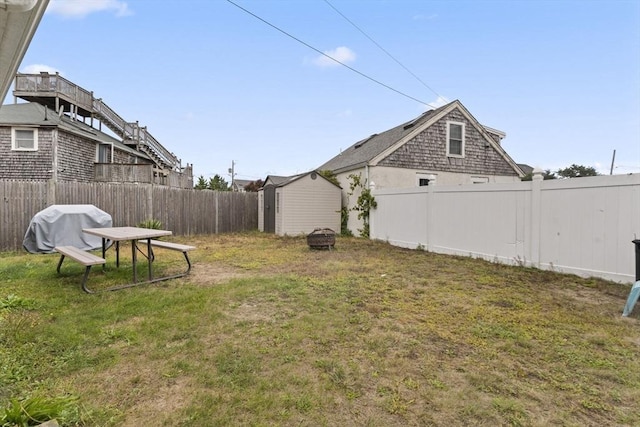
427,138
426,148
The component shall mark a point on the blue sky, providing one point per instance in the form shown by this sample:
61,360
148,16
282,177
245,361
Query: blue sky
215,84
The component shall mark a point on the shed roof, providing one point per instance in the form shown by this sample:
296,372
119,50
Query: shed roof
281,181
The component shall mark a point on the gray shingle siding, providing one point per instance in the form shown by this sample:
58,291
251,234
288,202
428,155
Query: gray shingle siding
428,150
76,157
26,165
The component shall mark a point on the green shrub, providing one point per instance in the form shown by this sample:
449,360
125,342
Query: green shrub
151,223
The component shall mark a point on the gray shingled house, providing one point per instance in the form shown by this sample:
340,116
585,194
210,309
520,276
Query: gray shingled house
37,144
58,136
446,145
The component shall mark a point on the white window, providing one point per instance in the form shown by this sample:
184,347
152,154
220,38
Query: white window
24,139
455,139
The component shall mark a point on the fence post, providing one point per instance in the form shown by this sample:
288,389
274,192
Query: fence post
51,192
150,202
216,193
536,209
429,214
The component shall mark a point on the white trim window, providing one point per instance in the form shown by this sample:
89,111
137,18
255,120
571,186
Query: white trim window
455,139
24,139
104,153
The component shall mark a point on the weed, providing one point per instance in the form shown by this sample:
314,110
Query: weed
36,410
151,223
11,302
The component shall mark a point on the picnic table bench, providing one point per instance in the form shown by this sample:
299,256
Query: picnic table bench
174,247
81,256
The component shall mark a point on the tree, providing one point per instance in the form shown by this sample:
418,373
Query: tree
218,183
254,186
330,176
547,174
201,184
577,171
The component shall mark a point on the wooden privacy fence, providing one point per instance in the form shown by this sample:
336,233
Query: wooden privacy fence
581,225
183,211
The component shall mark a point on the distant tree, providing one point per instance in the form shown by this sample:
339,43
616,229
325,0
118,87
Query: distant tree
201,184
254,186
330,176
547,174
218,183
577,171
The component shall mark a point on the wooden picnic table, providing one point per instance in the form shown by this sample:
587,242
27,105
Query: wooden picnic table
132,234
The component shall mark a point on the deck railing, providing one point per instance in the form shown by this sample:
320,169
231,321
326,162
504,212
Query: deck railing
141,173
45,84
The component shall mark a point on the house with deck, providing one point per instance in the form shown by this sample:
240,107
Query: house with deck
58,135
446,145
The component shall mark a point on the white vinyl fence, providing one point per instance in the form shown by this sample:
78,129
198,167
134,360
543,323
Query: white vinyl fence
583,226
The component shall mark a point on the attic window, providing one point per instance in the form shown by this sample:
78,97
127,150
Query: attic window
24,139
455,139
364,141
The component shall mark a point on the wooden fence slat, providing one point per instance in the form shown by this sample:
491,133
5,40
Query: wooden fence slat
183,211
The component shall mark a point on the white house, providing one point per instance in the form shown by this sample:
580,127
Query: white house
446,145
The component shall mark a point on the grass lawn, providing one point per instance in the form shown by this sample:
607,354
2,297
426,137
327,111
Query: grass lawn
266,331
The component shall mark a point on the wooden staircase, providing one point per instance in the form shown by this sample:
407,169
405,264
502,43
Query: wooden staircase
57,93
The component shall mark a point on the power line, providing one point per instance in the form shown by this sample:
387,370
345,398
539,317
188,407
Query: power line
328,56
383,49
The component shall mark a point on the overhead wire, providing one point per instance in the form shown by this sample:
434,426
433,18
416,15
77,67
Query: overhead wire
326,55
383,49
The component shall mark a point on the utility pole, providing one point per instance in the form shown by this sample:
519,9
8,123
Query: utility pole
613,160
233,174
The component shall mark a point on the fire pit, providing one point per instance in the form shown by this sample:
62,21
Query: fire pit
321,238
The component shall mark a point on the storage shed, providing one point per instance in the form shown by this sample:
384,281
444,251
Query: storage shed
298,204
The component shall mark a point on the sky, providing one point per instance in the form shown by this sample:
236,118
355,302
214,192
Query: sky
251,81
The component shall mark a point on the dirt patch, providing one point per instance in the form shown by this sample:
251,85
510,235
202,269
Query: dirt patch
253,312
588,296
168,399
208,273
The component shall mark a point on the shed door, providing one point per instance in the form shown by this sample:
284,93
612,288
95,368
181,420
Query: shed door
270,209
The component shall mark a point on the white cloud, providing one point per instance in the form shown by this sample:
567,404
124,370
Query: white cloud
82,8
439,102
37,68
421,17
342,54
